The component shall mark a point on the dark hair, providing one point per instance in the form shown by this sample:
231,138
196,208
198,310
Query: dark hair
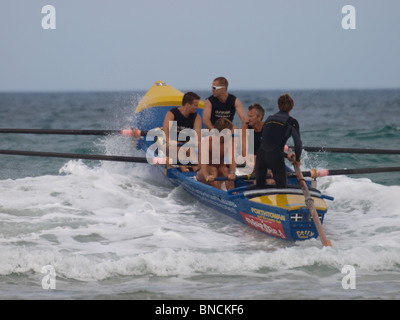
189,97
222,81
258,107
223,123
285,103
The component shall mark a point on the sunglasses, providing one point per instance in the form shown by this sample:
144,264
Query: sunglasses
216,88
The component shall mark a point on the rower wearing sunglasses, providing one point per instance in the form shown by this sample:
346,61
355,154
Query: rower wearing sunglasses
221,104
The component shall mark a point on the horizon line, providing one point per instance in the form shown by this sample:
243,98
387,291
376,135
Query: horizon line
191,89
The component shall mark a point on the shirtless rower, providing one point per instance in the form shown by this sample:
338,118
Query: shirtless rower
213,165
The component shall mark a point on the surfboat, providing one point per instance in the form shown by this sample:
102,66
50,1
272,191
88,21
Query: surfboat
277,212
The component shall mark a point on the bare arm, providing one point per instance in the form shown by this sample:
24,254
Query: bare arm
207,115
240,111
168,117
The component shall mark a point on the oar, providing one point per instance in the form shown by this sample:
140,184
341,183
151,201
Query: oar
310,204
243,177
78,156
314,173
351,150
138,133
125,132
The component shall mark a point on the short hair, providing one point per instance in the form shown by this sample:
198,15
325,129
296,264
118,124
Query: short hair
223,123
189,97
259,109
285,103
222,81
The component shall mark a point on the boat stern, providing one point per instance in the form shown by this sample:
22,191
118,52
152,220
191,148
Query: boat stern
284,215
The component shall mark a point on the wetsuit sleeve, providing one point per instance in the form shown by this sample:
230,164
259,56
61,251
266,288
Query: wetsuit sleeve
298,145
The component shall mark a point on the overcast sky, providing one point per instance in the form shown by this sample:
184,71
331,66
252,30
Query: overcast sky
256,44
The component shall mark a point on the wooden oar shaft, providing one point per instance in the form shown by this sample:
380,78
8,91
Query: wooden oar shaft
310,204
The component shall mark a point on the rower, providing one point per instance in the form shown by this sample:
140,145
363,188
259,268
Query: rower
255,115
212,164
278,128
221,104
180,118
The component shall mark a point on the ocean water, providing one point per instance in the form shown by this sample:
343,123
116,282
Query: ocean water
121,231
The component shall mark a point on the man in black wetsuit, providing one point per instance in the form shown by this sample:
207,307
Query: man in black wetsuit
278,128
221,104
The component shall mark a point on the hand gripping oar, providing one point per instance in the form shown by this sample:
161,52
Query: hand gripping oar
310,204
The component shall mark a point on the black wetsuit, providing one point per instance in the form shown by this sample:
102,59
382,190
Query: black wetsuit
257,138
277,129
222,109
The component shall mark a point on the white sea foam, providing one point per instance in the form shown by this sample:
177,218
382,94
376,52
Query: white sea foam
97,223
112,221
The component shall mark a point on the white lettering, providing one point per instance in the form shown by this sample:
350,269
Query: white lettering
349,20
172,310
49,20
188,151
248,157
349,280
158,145
49,280
221,309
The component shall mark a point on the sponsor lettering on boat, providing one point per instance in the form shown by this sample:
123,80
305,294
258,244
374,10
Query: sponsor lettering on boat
263,225
268,215
305,234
